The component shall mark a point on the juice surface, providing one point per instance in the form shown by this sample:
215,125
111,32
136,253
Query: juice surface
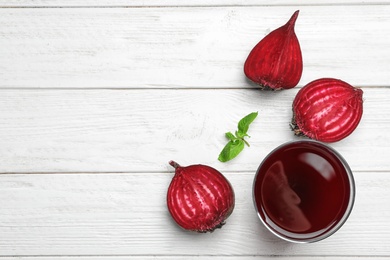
302,190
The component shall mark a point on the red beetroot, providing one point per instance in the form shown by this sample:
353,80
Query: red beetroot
327,110
276,61
199,198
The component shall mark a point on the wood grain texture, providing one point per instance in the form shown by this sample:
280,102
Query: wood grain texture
197,257
96,96
126,214
184,47
164,3
141,130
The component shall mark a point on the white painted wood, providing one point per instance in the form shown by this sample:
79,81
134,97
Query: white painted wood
191,257
141,130
184,47
111,257
126,214
163,3
96,97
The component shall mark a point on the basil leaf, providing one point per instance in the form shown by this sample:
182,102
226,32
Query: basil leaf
244,123
230,136
231,150
241,135
237,142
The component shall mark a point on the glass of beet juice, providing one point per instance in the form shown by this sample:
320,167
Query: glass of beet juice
303,191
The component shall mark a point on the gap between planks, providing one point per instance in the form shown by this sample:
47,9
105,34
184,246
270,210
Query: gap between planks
188,257
251,87
145,171
267,4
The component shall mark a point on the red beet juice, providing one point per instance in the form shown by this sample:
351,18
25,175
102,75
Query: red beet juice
303,191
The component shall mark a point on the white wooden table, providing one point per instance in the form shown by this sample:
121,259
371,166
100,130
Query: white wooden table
96,96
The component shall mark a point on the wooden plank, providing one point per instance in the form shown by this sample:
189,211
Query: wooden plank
184,47
125,214
163,3
141,130
191,257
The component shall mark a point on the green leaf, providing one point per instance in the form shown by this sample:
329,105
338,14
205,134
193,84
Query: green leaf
237,142
244,123
241,135
230,136
231,150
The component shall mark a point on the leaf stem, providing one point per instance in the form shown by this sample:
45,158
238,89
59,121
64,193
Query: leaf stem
246,142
